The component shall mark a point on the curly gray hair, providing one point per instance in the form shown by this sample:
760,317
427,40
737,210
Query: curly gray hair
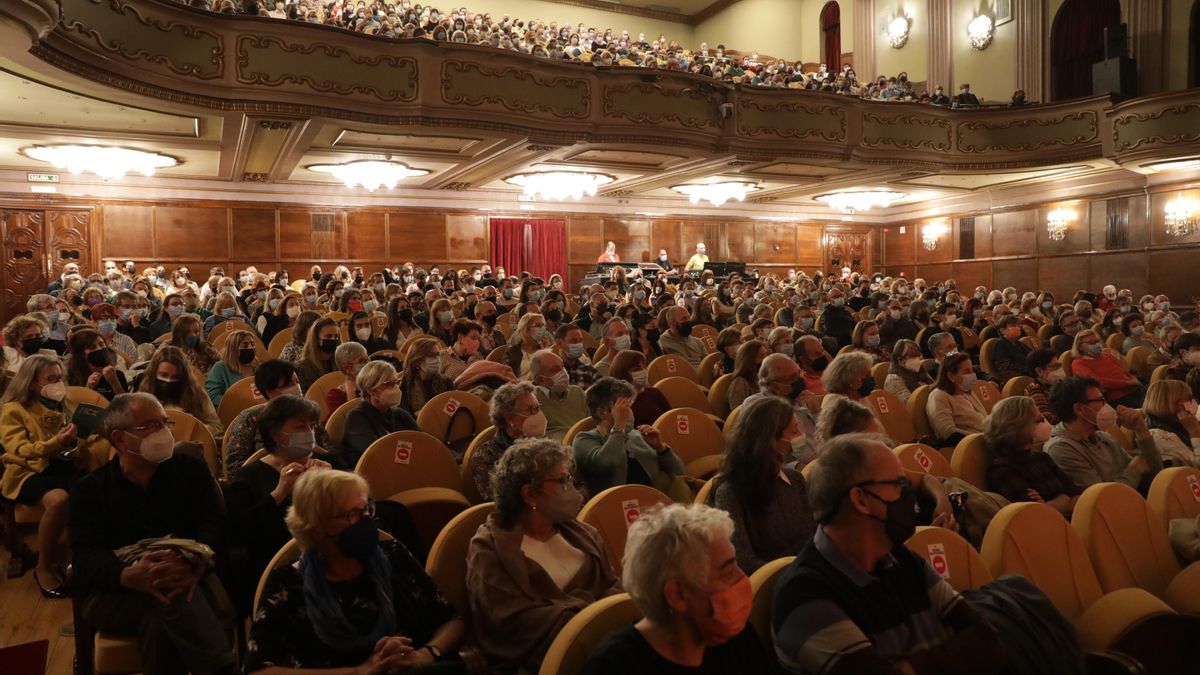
504,401
524,463
670,543
843,369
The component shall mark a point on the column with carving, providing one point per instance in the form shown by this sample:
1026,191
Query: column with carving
1029,18
940,46
864,40
1147,28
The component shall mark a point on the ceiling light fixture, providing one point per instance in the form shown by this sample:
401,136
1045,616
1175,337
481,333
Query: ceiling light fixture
1057,222
980,31
716,193
372,174
860,200
558,185
931,233
1180,216
1173,165
897,32
106,161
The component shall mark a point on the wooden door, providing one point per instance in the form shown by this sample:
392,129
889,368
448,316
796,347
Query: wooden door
23,245
68,239
848,249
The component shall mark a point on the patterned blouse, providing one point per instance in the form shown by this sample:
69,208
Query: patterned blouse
282,634
243,440
292,352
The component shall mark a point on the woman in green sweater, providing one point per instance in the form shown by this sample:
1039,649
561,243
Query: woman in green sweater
239,358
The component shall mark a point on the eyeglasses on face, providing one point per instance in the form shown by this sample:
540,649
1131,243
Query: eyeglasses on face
355,515
154,426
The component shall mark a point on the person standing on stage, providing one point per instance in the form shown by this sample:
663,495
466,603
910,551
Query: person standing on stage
696,262
610,254
664,261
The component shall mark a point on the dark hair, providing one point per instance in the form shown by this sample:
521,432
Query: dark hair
751,462
461,327
1185,341
564,329
605,392
273,374
1040,358
1132,317
1066,393
949,365
279,410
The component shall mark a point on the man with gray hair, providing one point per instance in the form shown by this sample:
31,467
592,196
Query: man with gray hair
563,403
516,414
856,600
780,376
678,338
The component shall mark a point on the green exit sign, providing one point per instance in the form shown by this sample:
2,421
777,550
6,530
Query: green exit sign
43,177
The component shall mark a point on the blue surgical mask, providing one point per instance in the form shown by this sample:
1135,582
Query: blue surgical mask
299,445
575,351
107,326
227,312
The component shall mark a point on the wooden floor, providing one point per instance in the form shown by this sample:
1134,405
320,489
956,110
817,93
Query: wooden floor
25,616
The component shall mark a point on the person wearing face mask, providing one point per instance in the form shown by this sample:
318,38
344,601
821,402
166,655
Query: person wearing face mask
953,409
529,336
857,600
678,339
281,316
362,331
561,402
378,412
749,358
1186,352
620,452
867,340
849,375
1019,470
697,261
24,336
40,465
258,498
317,359
1009,355
441,314
532,566
1171,417
767,502
680,569
1134,329
568,345
1090,359
174,306
663,260
172,381
349,358
905,371
401,322
837,321
516,414
1089,455
649,403
465,348
353,603
239,359
421,379
104,316
91,364
895,324
1046,371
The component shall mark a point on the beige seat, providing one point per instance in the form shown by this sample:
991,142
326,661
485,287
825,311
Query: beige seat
1129,548
970,461
706,334
682,392
916,404
335,426
670,365
1065,359
1016,386
731,420
1175,493
612,511
438,416
1115,341
281,340
718,395
225,327
585,424
188,428
1137,360
695,438
707,492
762,584
497,355
447,562
1160,373
950,556
239,396
1036,542
987,394
468,464
316,393
585,631
923,459
985,357
893,415
971,339
1031,341
707,369
88,396
879,371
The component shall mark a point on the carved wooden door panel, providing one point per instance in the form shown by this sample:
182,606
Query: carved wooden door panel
848,249
68,239
23,244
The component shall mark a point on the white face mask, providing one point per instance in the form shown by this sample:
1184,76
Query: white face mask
559,382
390,397
534,426
621,343
639,378
55,391
157,447
363,334
912,365
1041,433
1055,376
293,312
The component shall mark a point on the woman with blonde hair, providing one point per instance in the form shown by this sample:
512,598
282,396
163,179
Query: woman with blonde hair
239,358
224,308
1019,470
1171,415
352,603
441,315
186,335
23,337
172,381
293,351
1091,359
317,359
421,379
529,336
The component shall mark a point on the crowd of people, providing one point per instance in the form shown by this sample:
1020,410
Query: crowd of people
580,43
806,469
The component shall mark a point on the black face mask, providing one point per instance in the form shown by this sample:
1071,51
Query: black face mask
330,346
77,301
246,356
101,358
405,315
685,329
797,388
169,390
818,364
316,276
554,315
490,320
31,345
900,522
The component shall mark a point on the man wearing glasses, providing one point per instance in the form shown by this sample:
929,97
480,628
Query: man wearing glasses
856,600
177,610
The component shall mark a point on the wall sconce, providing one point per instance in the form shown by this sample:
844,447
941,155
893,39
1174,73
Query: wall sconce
897,31
1056,223
1181,216
930,234
980,31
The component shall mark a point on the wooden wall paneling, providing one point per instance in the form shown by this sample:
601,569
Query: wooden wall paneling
906,271
846,247
295,235
775,243
419,238
23,243
467,237
1123,270
983,235
1097,225
1020,273
692,232
968,275
68,234
128,231
366,235
1078,239
739,244
187,232
936,272
946,248
900,248
1140,221
328,232
584,241
664,234
809,246
1063,276
631,236
254,233
1012,233
1173,272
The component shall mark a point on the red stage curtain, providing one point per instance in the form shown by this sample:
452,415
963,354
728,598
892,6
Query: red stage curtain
537,246
831,30
1077,42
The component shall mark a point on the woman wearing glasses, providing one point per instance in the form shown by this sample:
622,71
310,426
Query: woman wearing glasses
352,603
533,566
378,412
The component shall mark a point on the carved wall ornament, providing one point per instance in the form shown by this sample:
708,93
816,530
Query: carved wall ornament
458,186
1173,124
515,89
327,69
275,125
541,148
651,103
791,120
1029,134
126,29
252,177
911,132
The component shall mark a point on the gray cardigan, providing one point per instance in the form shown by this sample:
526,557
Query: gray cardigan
1098,459
603,461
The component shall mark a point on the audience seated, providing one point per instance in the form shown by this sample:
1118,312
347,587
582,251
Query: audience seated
849,375
905,373
90,363
24,336
378,412
562,403
681,572
273,379
421,378
1009,354
1091,360
649,403
293,351
516,414
1046,371
1171,416
678,339
349,358
1018,470
464,349
239,359
317,358
811,356
170,379
745,371
953,409
352,601
532,566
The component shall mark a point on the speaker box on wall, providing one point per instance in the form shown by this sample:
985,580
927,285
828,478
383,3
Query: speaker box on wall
1115,76
1115,38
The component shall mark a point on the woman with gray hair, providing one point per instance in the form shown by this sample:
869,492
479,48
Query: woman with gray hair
1019,470
377,413
516,413
349,358
849,374
352,602
532,566
681,571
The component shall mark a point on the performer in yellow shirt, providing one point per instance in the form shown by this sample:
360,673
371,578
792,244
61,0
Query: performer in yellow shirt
697,261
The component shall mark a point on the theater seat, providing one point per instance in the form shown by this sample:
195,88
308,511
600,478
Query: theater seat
916,403
970,461
707,369
682,392
447,562
1015,386
892,415
1129,547
468,465
1175,493
670,365
585,631
923,459
718,395
693,435
951,556
612,511
763,584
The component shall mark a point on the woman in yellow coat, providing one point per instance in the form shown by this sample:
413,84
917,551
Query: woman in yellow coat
39,468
